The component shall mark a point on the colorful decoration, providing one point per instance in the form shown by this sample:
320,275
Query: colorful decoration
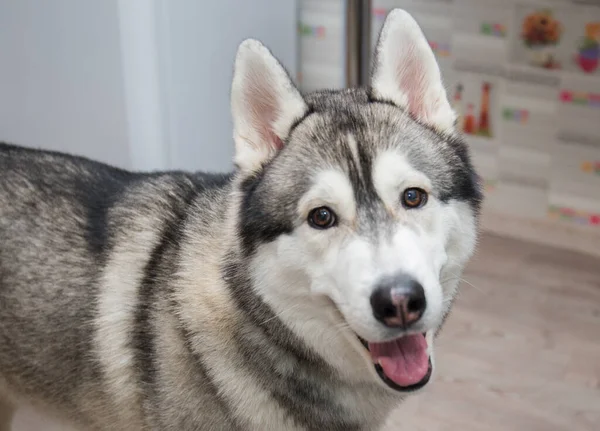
517,115
484,114
591,100
471,124
496,30
591,167
541,33
574,216
540,28
457,104
440,49
588,54
317,31
380,13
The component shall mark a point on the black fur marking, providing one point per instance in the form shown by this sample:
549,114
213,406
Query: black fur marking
236,276
159,270
373,99
465,185
34,180
256,225
367,197
97,195
265,340
102,192
209,180
295,124
95,185
361,177
98,188
204,378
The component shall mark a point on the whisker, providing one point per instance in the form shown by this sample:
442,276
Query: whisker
472,285
456,277
279,314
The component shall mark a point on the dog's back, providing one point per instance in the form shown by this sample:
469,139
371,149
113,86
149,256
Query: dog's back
51,238
61,218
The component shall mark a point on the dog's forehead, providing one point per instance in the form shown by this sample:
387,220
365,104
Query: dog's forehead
343,131
346,131
352,138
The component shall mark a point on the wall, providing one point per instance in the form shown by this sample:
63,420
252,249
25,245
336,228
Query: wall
198,45
141,84
61,84
321,28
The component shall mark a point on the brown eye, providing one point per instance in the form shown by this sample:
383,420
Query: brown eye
414,198
321,218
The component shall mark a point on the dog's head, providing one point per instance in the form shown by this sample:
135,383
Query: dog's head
365,197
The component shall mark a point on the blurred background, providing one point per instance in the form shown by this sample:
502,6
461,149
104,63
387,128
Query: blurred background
144,85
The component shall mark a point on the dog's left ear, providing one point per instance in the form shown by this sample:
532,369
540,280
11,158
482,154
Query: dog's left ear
406,73
264,105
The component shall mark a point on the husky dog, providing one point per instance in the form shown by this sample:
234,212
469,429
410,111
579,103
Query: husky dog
301,292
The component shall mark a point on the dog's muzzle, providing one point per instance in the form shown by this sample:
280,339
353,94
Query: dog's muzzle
402,363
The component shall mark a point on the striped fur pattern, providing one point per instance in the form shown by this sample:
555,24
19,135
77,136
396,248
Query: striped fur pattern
195,301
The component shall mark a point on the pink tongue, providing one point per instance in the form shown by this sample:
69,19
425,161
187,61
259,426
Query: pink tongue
404,361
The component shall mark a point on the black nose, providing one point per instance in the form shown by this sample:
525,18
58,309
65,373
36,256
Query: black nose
398,301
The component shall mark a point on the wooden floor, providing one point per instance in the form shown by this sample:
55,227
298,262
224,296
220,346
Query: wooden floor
521,351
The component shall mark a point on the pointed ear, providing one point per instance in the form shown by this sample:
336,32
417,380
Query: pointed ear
406,73
264,104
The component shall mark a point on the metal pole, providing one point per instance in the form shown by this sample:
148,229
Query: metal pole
365,42
358,42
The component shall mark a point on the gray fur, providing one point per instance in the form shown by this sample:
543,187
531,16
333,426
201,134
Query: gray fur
182,244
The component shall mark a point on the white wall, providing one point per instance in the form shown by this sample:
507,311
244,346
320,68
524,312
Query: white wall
141,84
61,81
200,39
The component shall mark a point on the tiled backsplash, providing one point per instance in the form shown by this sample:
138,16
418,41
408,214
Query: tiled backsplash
525,79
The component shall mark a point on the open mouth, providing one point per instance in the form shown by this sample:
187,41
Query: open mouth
403,364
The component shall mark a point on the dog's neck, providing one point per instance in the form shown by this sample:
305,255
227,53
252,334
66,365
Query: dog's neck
298,343
307,347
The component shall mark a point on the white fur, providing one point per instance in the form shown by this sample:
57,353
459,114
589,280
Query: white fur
353,145
300,299
320,325
301,275
407,74
117,304
390,184
264,105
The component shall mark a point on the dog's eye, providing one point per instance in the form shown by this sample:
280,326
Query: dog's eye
321,218
414,198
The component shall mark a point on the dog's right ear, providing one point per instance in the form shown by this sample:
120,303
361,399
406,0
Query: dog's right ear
264,105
